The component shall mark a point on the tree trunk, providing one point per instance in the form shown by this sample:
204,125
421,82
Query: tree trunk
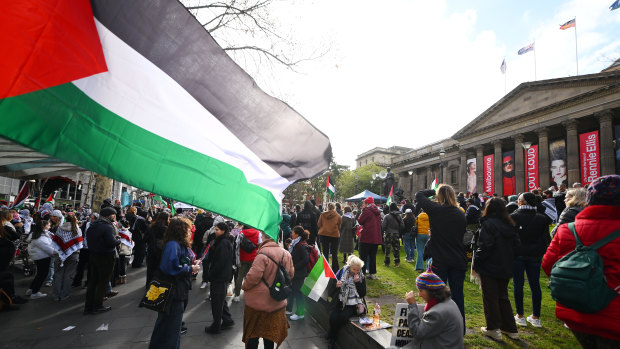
103,190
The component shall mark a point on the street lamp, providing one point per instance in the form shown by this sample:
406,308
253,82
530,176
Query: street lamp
411,185
442,155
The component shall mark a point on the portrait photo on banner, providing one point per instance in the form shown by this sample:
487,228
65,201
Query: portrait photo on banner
508,172
557,163
471,175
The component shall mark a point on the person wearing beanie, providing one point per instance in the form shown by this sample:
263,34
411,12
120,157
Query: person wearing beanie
370,238
599,218
512,204
438,323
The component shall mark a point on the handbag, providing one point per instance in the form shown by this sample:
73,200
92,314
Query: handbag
158,295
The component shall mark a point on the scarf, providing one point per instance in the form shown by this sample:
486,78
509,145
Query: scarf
430,304
126,240
65,243
293,243
349,215
348,291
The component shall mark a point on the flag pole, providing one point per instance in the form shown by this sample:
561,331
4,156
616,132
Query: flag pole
576,56
534,60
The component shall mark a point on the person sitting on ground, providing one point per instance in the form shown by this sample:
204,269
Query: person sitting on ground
300,252
440,325
347,297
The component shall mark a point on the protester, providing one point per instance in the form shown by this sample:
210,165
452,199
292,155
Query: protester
124,252
245,258
347,297
440,326
67,241
102,248
40,250
347,234
177,261
300,253
423,228
494,258
307,218
448,225
512,205
8,235
549,205
154,238
285,225
409,236
263,316
392,226
370,238
219,265
533,228
329,231
600,218
575,201
138,229
84,253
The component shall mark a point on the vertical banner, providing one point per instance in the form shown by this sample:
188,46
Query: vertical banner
489,183
589,157
508,173
617,149
557,165
531,168
471,175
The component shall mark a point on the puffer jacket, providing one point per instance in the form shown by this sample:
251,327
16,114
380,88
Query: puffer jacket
592,224
497,249
257,294
423,223
569,214
392,223
370,219
41,248
329,224
533,228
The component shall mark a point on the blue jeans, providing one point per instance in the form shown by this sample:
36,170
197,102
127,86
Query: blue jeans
531,266
409,245
167,330
454,279
420,242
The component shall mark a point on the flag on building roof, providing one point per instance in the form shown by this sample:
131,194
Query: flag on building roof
615,5
315,284
390,198
140,92
330,188
503,66
20,200
569,24
526,49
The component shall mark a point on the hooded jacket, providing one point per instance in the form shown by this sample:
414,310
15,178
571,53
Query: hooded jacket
497,248
370,219
101,237
533,228
41,248
308,219
252,235
329,224
392,223
220,259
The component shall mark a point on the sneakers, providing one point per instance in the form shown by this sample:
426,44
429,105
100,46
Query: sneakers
203,285
236,299
520,321
511,335
534,322
29,292
295,317
289,312
48,284
372,276
37,295
493,334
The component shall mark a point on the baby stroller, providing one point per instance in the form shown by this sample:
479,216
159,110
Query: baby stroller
21,254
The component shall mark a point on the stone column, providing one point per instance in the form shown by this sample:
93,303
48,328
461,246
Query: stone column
544,176
519,164
444,173
499,184
479,170
605,119
429,177
414,180
572,152
463,171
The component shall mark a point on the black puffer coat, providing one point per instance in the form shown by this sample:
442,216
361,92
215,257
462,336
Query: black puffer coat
497,248
220,260
533,228
569,214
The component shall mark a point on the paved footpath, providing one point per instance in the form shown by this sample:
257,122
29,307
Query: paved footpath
40,322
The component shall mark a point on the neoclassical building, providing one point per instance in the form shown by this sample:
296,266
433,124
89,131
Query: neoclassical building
541,134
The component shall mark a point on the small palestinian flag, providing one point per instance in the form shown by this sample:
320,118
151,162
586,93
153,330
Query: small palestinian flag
435,184
20,200
126,240
315,284
330,188
50,199
139,91
390,197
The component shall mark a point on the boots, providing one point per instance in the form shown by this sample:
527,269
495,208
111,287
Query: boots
123,279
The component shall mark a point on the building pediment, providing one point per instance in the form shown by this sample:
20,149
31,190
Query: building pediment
533,98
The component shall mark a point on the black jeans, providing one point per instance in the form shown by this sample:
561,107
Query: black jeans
590,341
497,308
455,279
100,268
368,253
297,298
7,282
43,267
253,343
139,251
330,247
531,266
82,265
338,318
219,307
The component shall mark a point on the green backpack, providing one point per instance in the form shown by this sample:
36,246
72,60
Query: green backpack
577,280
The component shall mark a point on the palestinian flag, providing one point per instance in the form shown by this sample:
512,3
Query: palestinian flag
434,183
318,279
50,199
330,188
20,200
390,197
140,92
126,240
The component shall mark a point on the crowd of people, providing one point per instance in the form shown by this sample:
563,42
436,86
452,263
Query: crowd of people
440,231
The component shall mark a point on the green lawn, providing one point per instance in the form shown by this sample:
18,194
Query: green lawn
393,283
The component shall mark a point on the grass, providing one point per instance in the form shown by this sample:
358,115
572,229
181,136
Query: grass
393,283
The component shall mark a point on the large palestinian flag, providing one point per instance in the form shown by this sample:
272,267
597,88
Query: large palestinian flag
140,92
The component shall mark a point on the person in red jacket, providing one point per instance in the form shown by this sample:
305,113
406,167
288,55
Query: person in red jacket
371,238
600,218
245,258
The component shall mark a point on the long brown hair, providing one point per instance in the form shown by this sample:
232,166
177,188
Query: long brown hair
160,219
177,231
446,195
74,224
497,209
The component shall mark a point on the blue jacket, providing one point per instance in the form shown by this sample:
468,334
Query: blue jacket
176,261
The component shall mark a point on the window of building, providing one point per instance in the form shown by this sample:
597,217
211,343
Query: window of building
453,177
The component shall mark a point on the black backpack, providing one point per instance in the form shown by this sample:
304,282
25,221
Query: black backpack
246,245
281,288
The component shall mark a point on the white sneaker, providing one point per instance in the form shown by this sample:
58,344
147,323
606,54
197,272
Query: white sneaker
203,285
236,299
28,292
511,335
494,334
37,295
296,317
372,276
520,321
289,312
534,322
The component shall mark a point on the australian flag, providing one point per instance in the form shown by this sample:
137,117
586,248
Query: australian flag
526,49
